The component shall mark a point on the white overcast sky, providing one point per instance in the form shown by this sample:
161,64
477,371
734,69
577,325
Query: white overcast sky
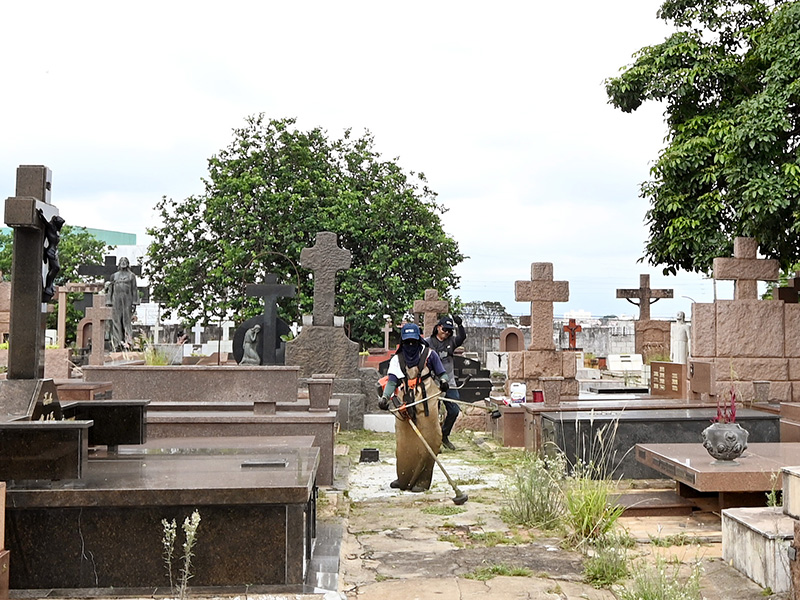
500,104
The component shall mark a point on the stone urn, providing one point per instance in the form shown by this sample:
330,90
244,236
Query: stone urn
319,393
725,441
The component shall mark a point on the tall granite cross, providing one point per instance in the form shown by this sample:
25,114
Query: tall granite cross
431,307
325,258
745,269
541,291
27,315
98,314
645,295
387,329
270,291
572,328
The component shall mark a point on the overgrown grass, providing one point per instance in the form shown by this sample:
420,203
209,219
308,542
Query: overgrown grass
591,508
609,561
486,573
534,494
661,581
443,510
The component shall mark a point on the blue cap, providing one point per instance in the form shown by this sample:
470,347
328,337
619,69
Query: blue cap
410,331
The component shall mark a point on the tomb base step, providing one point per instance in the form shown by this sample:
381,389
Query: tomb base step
790,430
655,503
790,411
755,542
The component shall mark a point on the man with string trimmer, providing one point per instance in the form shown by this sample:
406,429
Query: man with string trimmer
419,378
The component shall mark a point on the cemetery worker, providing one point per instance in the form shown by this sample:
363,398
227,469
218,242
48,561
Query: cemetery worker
679,340
123,296
250,346
417,375
448,334
52,235
182,337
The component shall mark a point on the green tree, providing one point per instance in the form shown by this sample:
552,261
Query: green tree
729,78
77,247
266,197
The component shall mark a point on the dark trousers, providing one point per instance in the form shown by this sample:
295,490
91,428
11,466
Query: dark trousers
452,410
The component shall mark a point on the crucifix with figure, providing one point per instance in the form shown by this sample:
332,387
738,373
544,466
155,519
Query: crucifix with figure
27,213
572,328
269,291
325,259
645,295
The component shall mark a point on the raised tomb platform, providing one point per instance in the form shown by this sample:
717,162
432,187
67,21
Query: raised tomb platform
256,498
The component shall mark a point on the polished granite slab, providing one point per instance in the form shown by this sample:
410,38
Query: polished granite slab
691,465
256,498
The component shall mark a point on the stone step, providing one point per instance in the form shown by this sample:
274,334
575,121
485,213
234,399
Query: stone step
652,503
790,430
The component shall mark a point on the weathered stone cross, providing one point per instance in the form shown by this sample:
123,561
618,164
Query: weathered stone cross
431,307
27,320
572,328
325,258
270,291
541,291
745,269
98,314
645,295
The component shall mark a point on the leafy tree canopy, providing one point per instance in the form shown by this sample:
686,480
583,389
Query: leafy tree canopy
77,247
267,196
730,80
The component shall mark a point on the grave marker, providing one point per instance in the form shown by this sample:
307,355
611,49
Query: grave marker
325,259
270,291
387,329
646,296
541,291
27,321
431,307
98,314
198,329
572,328
745,269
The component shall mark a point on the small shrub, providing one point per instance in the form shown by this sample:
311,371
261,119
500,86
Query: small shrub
190,525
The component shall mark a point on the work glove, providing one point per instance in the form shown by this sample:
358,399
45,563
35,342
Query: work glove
383,403
444,386
458,320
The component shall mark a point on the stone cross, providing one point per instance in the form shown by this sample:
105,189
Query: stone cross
198,329
107,269
431,307
98,314
572,328
325,259
645,295
270,291
387,329
27,319
62,291
745,269
541,291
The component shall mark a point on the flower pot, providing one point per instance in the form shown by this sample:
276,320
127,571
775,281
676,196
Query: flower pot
725,441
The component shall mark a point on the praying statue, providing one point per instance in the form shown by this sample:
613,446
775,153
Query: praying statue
680,335
123,296
250,346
